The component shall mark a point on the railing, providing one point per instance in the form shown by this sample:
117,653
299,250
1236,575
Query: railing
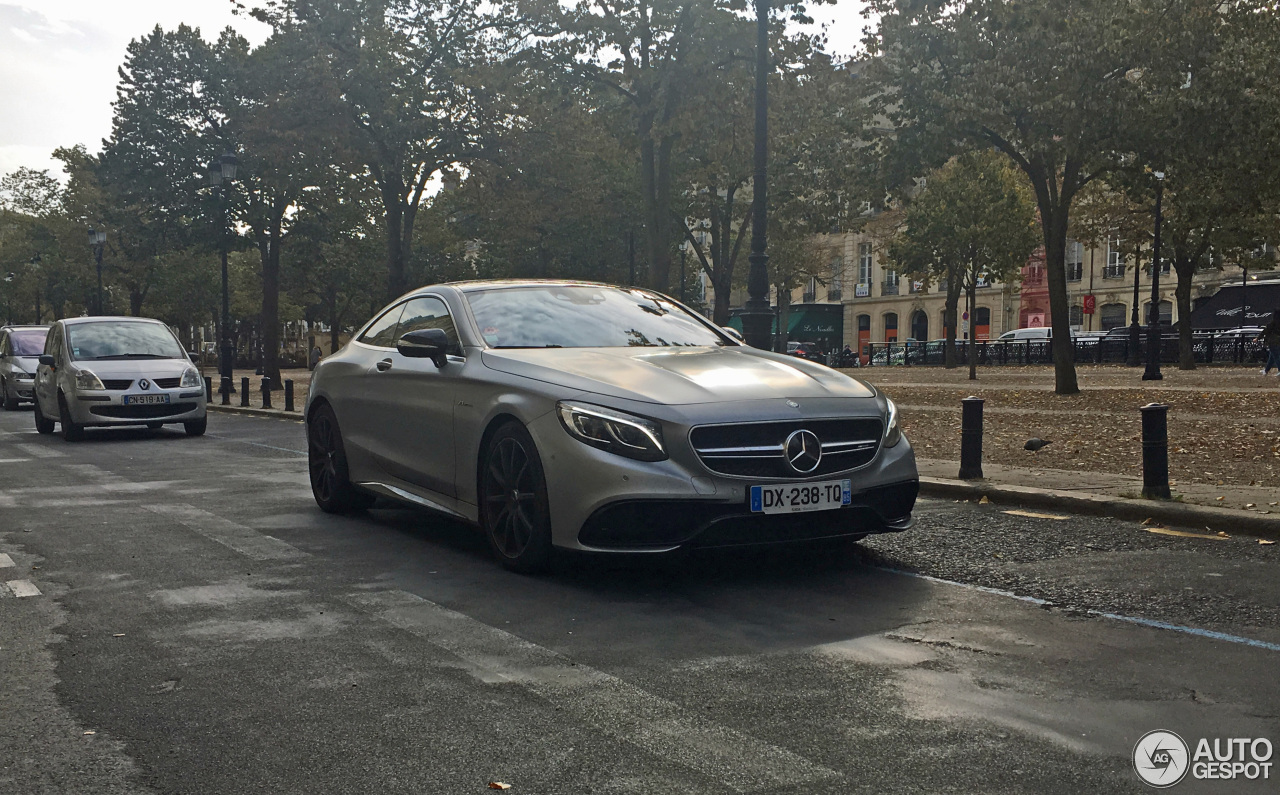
833,295
889,288
1206,349
808,298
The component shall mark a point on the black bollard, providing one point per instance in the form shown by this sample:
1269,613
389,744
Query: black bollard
971,438
266,392
1155,451
224,386
208,389
288,394
244,392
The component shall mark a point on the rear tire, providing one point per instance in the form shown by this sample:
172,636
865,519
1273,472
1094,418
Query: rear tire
43,423
514,510
196,427
10,403
71,432
327,464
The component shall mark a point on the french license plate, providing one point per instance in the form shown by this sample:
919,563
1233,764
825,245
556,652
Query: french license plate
145,400
800,497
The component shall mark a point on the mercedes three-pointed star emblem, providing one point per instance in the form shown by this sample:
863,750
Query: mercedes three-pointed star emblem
803,451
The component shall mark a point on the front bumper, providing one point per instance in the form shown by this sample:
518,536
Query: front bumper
22,389
108,408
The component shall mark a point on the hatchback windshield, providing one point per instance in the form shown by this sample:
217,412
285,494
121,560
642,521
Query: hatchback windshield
122,339
584,316
28,342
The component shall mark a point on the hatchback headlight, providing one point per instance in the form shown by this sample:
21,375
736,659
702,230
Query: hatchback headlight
191,378
22,375
892,435
624,434
86,381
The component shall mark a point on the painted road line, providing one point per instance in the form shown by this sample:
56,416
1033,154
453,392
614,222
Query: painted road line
1146,622
21,588
14,460
594,698
256,444
39,451
5,561
245,540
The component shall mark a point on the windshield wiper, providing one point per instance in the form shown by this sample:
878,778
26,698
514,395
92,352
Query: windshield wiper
520,347
135,356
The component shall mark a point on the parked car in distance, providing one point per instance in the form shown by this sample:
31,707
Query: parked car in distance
806,350
1026,334
107,371
20,348
576,415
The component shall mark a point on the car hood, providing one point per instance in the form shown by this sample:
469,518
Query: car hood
137,368
677,376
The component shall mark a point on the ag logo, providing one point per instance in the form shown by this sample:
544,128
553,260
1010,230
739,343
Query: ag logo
1160,758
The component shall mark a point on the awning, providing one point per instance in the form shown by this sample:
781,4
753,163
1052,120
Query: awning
1260,302
812,323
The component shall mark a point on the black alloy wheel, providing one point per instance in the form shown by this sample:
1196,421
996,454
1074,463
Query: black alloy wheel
43,424
513,505
71,431
327,465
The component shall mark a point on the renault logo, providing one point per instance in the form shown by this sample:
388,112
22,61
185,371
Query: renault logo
803,451
145,384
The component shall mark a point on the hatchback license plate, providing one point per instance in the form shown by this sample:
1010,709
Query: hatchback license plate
800,497
145,400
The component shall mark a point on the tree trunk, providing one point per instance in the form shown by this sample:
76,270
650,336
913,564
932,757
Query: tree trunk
949,357
271,296
1054,221
1186,269
135,301
391,187
335,330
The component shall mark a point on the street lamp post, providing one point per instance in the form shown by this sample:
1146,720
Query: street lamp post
684,253
222,171
1153,322
1134,354
757,319
97,240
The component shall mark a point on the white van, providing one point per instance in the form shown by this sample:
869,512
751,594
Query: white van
1022,334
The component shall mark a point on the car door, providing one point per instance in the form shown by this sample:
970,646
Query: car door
409,404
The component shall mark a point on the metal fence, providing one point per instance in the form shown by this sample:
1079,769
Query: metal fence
1207,348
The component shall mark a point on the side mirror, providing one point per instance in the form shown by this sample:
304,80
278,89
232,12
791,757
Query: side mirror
733,332
47,360
427,343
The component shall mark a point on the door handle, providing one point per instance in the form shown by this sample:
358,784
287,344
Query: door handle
384,365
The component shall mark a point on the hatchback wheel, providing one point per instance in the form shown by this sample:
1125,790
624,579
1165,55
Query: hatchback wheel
196,427
327,462
10,403
43,423
71,431
513,500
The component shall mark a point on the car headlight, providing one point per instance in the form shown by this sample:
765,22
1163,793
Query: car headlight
191,378
624,434
892,434
22,375
86,380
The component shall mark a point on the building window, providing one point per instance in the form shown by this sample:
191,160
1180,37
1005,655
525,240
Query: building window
891,327
864,263
1166,313
890,286
919,325
1077,315
1115,260
1075,261
834,287
1112,316
810,292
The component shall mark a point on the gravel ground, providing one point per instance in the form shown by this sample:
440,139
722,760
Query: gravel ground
1224,425
1090,563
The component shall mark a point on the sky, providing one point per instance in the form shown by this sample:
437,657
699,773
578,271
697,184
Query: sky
58,62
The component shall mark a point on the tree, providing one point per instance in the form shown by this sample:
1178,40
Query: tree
1042,81
974,219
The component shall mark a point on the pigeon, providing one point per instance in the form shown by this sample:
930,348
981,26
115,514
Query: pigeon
1034,444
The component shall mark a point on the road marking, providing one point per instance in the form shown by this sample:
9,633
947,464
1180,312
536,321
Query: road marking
608,704
245,540
5,561
14,460
21,588
39,451
256,444
1146,622
1034,515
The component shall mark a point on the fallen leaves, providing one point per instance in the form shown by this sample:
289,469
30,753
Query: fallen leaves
1265,542
498,785
1165,531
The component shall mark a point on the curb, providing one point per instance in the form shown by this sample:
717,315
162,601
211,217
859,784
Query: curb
1174,513
277,413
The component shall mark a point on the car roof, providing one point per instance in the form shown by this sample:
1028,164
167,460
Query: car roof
75,321
490,284
17,327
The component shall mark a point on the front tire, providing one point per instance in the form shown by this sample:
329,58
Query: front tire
71,431
43,424
327,464
196,427
514,508
10,403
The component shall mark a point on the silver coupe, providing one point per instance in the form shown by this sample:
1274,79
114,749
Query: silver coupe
592,417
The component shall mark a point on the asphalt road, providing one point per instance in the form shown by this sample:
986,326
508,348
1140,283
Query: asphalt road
179,617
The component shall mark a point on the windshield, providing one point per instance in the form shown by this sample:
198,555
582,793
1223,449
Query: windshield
584,316
28,342
122,339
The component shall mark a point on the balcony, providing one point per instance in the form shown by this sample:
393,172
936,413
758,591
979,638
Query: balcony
808,298
1113,272
834,294
889,288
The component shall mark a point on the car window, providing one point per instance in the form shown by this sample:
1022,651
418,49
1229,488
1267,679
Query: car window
26,342
122,340
382,332
4,343
585,316
425,313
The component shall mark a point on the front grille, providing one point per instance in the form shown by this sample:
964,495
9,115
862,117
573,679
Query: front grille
167,383
146,412
755,450
117,383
